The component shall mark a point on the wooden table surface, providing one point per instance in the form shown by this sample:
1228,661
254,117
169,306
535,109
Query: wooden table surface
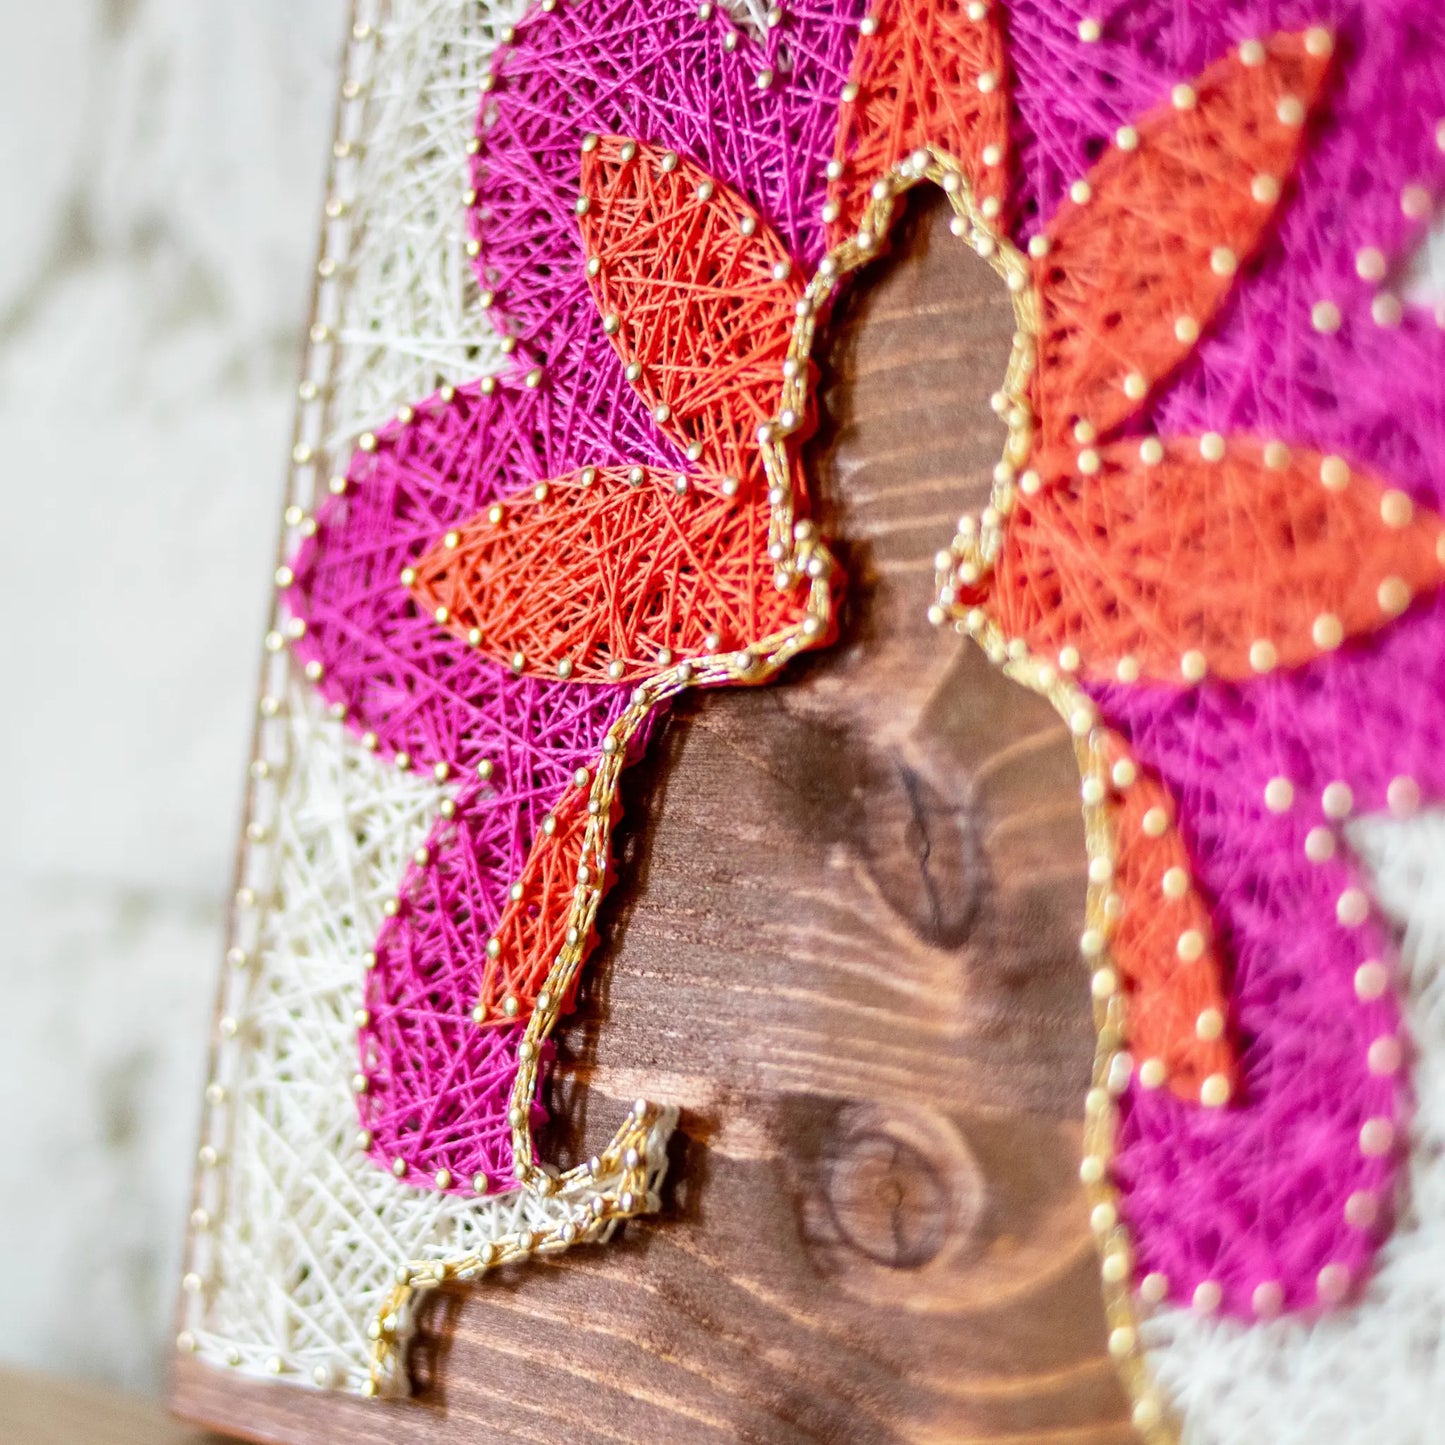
846,945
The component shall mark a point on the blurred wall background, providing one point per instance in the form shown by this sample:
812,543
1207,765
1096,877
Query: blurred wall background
161,164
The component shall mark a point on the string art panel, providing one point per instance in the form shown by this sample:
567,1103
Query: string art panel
554,478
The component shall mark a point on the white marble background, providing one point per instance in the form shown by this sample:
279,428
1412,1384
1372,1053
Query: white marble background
161,165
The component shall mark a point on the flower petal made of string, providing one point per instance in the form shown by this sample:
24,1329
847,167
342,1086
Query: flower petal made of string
1146,249
533,927
610,574
437,1088
1162,942
1195,556
397,677
927,74
665,70
697,293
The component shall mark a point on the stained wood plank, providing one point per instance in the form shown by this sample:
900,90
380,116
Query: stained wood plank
844,942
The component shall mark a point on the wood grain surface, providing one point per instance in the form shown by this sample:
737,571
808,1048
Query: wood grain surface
844,941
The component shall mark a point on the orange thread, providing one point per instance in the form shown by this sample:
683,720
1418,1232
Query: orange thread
1192,556
1145,251
533,926
926,75
1162,941
697,293
609,575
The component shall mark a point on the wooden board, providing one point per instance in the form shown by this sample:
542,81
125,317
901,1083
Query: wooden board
845,943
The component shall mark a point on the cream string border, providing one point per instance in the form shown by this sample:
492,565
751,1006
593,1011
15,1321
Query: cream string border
612,1186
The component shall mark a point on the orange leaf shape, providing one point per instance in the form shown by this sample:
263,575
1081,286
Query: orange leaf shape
1146,251
926,74
533,926
1194,556
697,293
1163,945
609,575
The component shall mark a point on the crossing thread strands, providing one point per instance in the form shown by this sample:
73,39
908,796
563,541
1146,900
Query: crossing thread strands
1296,553
1145,247
675,567
933,75
1177,1012
697,291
